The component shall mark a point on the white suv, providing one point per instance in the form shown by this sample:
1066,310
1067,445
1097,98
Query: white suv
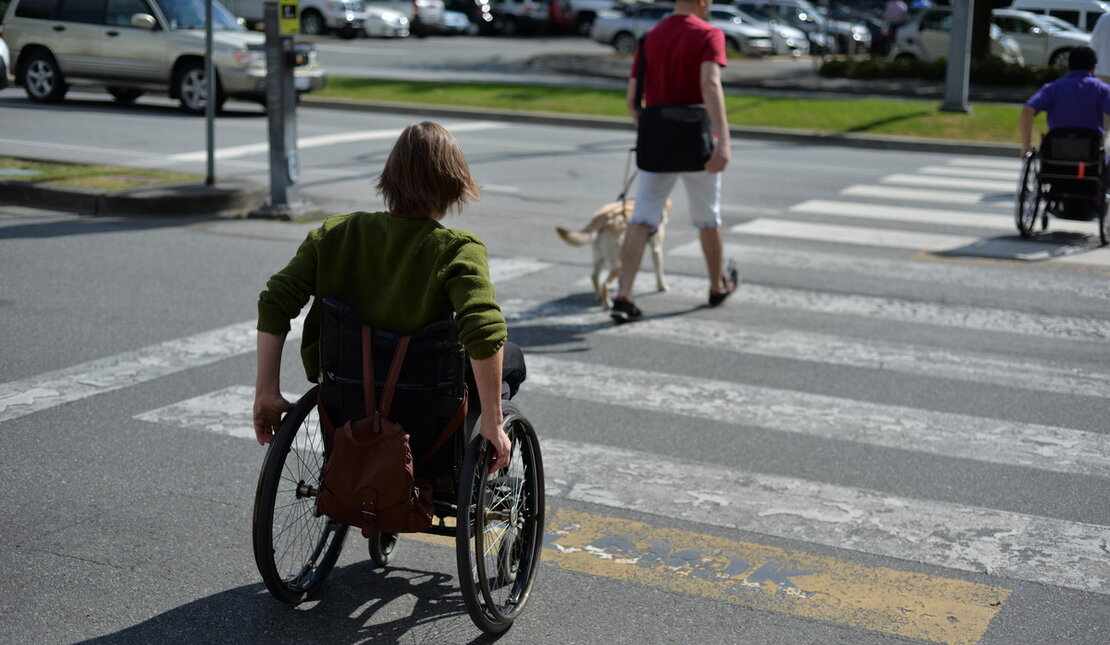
135,46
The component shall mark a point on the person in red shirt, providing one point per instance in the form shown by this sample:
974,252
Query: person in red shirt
684,56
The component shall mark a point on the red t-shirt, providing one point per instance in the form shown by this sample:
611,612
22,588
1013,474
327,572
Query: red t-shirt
675,50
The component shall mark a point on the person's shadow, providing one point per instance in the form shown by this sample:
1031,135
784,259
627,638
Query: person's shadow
357,604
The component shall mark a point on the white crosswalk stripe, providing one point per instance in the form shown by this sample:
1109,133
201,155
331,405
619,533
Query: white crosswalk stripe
1056,552
964,195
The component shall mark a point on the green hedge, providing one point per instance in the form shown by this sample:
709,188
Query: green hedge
992,71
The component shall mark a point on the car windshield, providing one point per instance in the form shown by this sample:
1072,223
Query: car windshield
189,14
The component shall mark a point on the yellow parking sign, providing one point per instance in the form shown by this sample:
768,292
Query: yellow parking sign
289,25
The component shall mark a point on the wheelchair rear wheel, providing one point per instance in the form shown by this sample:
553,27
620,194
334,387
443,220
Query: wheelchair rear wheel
294,548
1030,202
500,526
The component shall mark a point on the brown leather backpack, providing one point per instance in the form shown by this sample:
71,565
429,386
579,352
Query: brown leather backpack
368,477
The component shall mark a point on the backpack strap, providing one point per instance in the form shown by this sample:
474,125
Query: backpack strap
448,431
399,352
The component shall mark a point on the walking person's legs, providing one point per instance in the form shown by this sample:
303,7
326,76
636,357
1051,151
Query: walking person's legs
652,191
703,190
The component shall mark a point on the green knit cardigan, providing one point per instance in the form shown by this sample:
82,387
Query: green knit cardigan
397,273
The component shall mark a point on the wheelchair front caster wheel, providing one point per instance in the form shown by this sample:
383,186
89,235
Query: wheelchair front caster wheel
381,546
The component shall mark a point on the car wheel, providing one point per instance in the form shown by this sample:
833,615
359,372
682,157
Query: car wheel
905,58
585,24
42,79
192,89
624,43
312,23
508,26
1059,58
124,95
733,45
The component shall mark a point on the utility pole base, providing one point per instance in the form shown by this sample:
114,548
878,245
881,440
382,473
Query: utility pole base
286,212
955,108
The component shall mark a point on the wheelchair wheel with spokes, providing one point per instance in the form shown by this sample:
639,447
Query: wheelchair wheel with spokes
1104,217
500,526
294,548
1030,202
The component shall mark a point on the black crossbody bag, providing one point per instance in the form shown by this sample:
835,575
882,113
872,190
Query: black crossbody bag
670,138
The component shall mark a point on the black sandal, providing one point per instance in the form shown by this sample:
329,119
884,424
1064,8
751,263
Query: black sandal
729,281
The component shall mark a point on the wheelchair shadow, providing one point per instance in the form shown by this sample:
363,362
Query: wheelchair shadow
1039,247
357,604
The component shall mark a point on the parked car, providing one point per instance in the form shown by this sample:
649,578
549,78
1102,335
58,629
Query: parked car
585,12
345,17
479,12
622,29
927,34
456,22
425,16
1041,42
1081,13
785,40
5,60
512,17
385,23
155,46
825,36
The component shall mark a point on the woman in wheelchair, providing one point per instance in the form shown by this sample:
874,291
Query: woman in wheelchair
399,270
401,303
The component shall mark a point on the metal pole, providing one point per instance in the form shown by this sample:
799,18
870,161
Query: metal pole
275,103
959,58
210,103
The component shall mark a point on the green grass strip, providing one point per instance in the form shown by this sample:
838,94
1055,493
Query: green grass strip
91,177
893,117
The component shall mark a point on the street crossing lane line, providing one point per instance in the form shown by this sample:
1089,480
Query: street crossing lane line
828,349
982,540
983,162
987,247
996,221
982,173
37,393
232,152
979,276
1001,543
836,233
923,195
947,434
969,317
984,185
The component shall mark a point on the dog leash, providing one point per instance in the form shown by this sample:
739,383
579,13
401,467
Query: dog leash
623,197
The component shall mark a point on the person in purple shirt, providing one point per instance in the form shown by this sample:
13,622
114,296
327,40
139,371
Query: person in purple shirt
1078,100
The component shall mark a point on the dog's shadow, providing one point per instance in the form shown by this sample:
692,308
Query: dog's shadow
564,325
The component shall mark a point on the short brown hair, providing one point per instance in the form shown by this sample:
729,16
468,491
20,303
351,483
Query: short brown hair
426,173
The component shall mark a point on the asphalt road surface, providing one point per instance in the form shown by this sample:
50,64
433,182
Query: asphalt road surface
895,432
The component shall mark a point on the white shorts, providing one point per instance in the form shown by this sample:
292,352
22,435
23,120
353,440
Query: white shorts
703,192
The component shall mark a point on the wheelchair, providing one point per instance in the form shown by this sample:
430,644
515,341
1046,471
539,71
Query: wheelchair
495,518
1066,178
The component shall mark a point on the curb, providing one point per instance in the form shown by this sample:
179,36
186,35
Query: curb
228,198
909,144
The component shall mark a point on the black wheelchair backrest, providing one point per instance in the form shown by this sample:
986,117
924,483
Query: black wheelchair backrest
1072,144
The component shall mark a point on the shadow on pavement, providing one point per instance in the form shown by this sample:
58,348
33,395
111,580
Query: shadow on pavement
78,224
357,604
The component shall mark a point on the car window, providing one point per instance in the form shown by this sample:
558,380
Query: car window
1092,18
937,20
91,11
1069,16
1013,25
119,12
189,14
35,9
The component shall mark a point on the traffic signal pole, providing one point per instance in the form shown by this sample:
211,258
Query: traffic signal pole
281,110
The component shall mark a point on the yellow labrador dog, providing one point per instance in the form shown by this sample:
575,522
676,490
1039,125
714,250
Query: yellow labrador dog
606,231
